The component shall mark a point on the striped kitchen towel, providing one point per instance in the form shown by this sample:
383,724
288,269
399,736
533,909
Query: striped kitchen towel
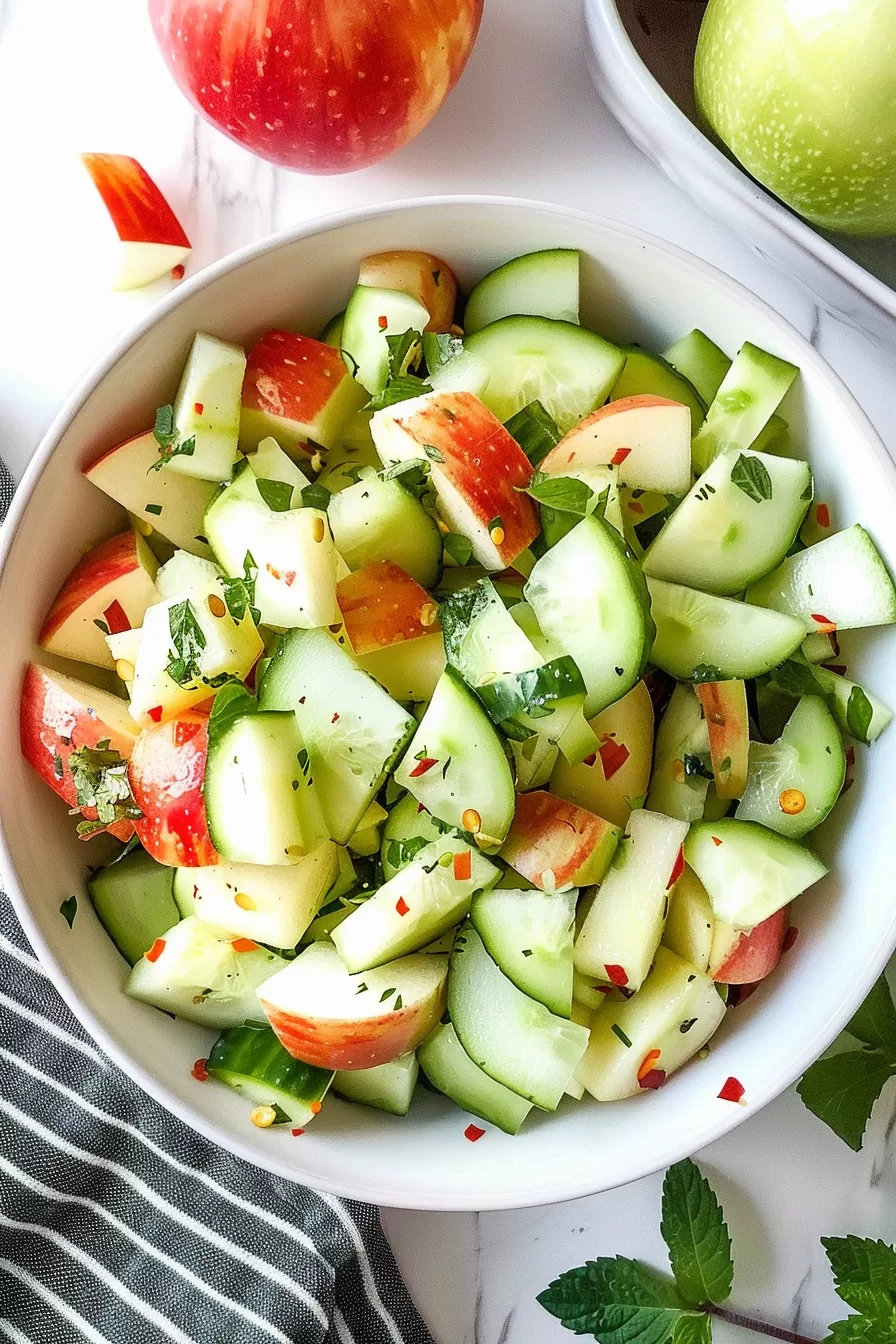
120,1225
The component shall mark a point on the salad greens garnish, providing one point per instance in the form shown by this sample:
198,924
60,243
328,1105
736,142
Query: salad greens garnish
165,434
189,641
276,494
750,474
100,777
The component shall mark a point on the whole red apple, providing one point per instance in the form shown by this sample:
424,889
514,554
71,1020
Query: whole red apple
322,86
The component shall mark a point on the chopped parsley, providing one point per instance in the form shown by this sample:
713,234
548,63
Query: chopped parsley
100,777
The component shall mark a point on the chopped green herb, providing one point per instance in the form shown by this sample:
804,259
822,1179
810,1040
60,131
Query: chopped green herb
617,1031
101,625
68,909
859,714
750,475
165,434
387,994
398,1004
58,767
189,640
433,453
276,494
153,508
316,497
459,547
362,988
100,777
239,594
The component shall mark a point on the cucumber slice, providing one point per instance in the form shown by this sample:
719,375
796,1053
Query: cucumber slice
529,934
681,771
516,1040
371,316
408,829
675,1012
175,579
569,370
272,905
533,762
353,731
422,901
700,360
387,1087
690,923
841,582
701,637
207,409
252,1061
539,284
196,974
134,902
259,790
653,375
814,648
749,872
451,1070
381,520
737,523
793,783
455,766
450,367
772,437
856,711
590,600
622,930
409,671
748,396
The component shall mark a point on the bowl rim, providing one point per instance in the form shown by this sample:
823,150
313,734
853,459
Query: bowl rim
727,175
579,1185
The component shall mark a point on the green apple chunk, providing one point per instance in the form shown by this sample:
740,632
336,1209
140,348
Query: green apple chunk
690,924
748,871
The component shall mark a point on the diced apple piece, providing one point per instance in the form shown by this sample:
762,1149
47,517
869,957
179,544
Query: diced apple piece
381,605
335,1020
614,779
173,505
622,930
739,957
478,470
555,844
167,774
728,724
409,671
296,389
230,648
107,592
152,240
207,409
647,437
690,924
57,716
637,1044
424,277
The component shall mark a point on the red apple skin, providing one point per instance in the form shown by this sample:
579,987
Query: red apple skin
167,774
100,568
320,86
426,278
548,833
381,605
337,1044
754,955
56,716
291,377
137,208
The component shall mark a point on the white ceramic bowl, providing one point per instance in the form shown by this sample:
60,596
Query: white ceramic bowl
635,288
641,58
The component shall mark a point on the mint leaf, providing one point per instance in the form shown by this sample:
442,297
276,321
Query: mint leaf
875,1022
440,348
860,1263
859,1330
750,474
459,547
316,497
398,389
567,494
693,1228
100,777
165,434
405,353
535,431
239,594
68,909
696,1329
276,494
842,1090
232,703
858,714
795,678
188,639
619,1301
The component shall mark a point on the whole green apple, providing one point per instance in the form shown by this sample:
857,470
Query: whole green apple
803,93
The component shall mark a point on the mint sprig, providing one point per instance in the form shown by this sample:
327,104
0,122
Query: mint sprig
694,1230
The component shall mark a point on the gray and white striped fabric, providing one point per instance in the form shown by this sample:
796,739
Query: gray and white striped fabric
120,1225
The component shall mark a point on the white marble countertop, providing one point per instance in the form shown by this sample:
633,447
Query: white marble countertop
524,121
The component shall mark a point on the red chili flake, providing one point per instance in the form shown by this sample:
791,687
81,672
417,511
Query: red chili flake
823,515
382,323
616,975
732,1091
715,839
825,625
335,717
619,457
402,906
463,866
199,1071
790,938
156,950
301,699
421,768
155,713
635,506
244,945
289,577
420,808
316,1107
297,1132
473,1133
613,756
653,1079
590,760
677,868
116,618
603,989
178,272
647,1064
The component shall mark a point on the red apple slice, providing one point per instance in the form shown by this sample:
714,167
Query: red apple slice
152,241
172,504
648,438
59,714
335,1020
479,471
742,958
555,844
381,605
724,706
167,774
296,389
107,592
424,277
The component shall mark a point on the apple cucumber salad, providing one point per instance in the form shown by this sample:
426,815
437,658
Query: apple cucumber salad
460,698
